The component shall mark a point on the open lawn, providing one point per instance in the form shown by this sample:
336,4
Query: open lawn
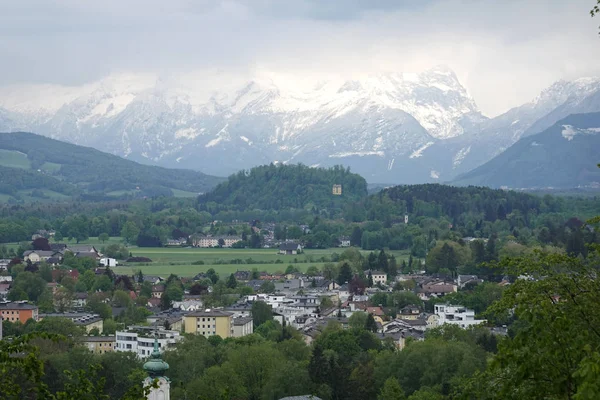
180,261
14,159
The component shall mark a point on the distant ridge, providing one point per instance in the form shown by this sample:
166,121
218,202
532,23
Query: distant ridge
563,156
29,161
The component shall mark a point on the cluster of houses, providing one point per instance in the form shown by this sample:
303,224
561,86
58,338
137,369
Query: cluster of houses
308,303
57,252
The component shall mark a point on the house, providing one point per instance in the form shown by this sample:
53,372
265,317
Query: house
456,315
4,288
4,262
99,344
290,248
189,304
409,312
398,339
176,242
344,241
172,318
463,280
157,291
80,299
36,256
140,340
18,311
108,262
337,190
428,291
58,247
242,326
243,275
209,323
290,284
379,277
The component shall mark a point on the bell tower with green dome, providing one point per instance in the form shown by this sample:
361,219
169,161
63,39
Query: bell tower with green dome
156,368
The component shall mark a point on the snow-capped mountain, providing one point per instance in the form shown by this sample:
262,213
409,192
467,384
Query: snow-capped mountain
378,124
492,137
393,127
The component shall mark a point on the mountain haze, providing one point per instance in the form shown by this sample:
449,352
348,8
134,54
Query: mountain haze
390,127
563,156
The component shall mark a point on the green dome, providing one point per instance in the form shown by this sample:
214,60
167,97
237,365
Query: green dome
155,366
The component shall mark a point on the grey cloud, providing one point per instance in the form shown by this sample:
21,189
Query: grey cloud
504,52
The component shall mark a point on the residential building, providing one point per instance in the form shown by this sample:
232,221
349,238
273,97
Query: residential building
85,320
290,248
140,340
463,280
4,264
209,323
441,289
18,311
242,326
409,312
108,262
344,241
456,315
379,277
337,190
36,256
213,241
4,289
157,291
99,344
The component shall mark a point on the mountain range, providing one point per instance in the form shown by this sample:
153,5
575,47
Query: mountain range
393,127
562,156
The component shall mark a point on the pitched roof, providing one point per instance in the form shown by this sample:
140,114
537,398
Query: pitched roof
289,246
210,313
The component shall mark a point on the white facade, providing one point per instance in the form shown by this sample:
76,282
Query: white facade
378,276
162,392
213,241
108,262
456,315
243,326
140,340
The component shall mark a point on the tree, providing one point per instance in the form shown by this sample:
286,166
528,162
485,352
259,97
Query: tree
231,282
221,242
121,298
41,244
146,289
391,390
267,287
261,313
103,237
370,324
130,232
102,283
212,275
345,274
557,310
356,237
370,277
358,320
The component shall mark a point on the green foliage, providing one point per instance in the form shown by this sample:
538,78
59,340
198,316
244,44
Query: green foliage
278,187
391,390
261,313
91,171
553,352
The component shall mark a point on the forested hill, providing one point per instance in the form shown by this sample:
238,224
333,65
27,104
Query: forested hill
278,187
90,170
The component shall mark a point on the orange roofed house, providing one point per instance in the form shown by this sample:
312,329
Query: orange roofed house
21,311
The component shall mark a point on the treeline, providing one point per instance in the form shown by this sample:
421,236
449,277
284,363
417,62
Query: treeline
280,187
13,180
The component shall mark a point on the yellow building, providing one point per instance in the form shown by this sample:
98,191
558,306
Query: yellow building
337,190
209,323
99,344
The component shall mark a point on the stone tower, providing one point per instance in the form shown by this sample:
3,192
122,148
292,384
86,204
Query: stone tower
156,368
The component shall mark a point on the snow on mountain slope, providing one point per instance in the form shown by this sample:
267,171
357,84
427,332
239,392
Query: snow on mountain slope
482,143
198,120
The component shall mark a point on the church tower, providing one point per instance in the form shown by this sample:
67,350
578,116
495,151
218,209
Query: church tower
156,368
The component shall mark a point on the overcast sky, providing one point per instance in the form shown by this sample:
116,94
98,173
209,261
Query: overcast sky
504,52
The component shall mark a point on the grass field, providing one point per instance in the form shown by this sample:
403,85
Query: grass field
179,261
14,159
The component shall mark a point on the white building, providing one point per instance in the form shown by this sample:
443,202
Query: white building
213,241
242,326
140,340
108,262
456,315
379,277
